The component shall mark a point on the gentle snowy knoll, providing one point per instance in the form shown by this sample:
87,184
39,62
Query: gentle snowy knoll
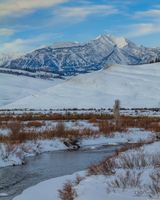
14,87
135,86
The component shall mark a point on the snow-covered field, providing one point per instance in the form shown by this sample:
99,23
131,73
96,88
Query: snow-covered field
14,87
101,186
135,86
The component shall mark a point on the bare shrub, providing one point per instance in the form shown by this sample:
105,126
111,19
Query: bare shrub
154,187
108,127
78,180
156,161
5,150
68,192
16,136
129,179
132,160
137,160
106,167
8,148
60,129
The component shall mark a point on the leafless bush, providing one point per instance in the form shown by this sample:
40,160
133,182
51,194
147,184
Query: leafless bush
108,127
8,148
17,135
108,165
106,168
5,150
78,180
60,128
155,160
68,192
129,179
132,160
154,187
137,159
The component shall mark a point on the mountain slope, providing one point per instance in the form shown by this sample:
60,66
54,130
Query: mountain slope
73,58
135,86
5,58
14,87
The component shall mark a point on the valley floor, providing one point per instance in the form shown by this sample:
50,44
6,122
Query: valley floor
131,172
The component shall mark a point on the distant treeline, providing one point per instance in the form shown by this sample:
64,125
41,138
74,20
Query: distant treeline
155,61
25,73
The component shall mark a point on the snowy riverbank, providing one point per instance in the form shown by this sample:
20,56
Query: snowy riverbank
138,186
16,154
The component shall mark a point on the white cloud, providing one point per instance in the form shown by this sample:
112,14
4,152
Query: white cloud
25,45
15,7
150,26
81,12
137,30
16,45
6,32
149,13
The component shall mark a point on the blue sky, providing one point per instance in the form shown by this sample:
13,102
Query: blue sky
30,24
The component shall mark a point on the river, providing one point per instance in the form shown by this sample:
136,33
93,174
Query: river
13,180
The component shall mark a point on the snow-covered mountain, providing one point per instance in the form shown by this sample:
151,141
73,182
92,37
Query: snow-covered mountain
5,58
135,86
71,58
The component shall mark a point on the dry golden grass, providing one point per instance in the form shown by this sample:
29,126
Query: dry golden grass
68,192
53,116
108,127
104,122
35,124
20,135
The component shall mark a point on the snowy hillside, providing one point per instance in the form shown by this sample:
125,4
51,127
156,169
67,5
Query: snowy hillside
5,58
70,58
14,87
135,86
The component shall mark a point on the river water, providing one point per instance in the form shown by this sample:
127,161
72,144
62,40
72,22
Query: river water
13,180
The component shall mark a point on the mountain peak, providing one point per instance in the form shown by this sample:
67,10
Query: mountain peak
120,42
